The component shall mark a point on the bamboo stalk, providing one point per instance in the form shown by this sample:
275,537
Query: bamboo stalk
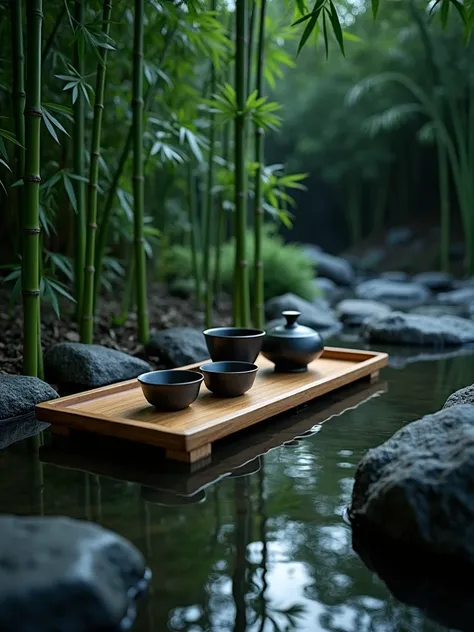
79,169
258,198
32,179
52,35
209,208
87,320
102,233
253,11
138,177
242,277
444,205
18,97
195,241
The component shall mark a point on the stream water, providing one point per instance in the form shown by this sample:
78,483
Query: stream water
265,547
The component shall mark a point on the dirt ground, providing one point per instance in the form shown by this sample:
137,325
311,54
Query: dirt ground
165,311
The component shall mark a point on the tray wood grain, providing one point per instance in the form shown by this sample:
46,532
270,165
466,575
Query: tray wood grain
120,410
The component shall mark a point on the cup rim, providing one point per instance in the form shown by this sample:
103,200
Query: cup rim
199,377
248,364
213,332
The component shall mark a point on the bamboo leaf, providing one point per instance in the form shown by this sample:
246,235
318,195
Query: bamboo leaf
10,137
61,290
336,25
70,191
308,30
2,162
50,127
55,121
375,8
444,13
16,290
56,107
13,275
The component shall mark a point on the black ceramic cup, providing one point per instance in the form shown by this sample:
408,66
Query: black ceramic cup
172,389
229,379
234,343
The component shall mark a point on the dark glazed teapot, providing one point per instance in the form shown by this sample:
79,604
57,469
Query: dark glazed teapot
292,347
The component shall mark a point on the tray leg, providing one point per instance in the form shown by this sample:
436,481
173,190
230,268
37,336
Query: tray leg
374,377
192,456
60,430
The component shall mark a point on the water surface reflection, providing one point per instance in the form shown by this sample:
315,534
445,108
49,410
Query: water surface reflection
254,541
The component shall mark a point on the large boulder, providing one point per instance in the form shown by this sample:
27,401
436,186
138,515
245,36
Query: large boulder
77,366
59,574
355,311
312,315
435,281
331,267
412,329
462,396
19,394
178,346
397,294
416,488
437,310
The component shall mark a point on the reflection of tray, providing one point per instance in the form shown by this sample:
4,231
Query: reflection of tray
115,459
120,410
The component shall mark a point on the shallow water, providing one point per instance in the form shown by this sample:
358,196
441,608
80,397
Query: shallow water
262,549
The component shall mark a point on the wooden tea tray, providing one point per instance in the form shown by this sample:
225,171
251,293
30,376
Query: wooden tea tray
113,458
120,410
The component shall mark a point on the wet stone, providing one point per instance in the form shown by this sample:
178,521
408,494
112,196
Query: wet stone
413,329
435,281
59,574
79,366
416,488
178,346
397,294
19,394
331,267
462,396
353,312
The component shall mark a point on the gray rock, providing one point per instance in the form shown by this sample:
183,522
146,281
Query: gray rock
59,574
437,310
412,329
329,290
461,296
331,267
416,488
394,275
178,346
314,316
20,428
435,281
355,311
19,394
462,396
79,365
399,236
394,293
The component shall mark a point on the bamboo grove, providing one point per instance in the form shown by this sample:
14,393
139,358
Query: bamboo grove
130,131
111,108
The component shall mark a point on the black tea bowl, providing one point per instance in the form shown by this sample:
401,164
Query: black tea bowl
229,379
234,343
171,389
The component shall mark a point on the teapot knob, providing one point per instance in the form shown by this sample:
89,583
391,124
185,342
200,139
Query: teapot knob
291,318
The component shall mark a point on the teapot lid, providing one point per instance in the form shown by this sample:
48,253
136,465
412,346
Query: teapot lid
291,329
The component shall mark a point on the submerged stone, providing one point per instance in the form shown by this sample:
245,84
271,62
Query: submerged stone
20,393
412,329
416,488
59,574
355,311
312,315
461,296
20,428
78,365
397,294
178,346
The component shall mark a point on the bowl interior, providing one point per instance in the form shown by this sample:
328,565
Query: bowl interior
228,367
170,377
234,332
